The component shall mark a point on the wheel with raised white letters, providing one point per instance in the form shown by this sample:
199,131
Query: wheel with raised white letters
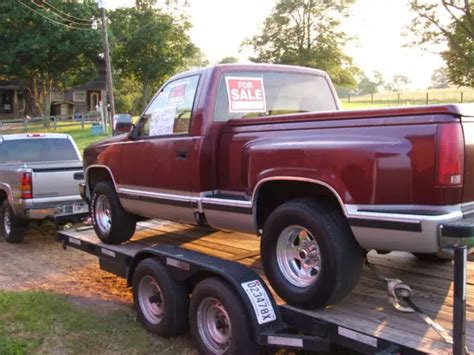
218,320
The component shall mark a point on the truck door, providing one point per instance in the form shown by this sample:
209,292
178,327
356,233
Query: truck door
154,178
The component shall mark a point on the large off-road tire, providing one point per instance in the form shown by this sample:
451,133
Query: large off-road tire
112,224
218,320
13,229
161,303
432,258
309,253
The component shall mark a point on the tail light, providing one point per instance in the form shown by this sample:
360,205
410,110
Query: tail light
26,185
449,155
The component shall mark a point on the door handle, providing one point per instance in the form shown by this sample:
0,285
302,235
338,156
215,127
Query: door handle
181,155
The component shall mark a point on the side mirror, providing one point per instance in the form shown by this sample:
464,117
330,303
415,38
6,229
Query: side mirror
133,134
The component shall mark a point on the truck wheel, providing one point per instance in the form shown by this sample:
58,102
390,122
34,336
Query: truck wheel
161,303
218,320
112,224
13,229
309,254
433,258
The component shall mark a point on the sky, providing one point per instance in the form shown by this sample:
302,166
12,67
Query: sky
220,26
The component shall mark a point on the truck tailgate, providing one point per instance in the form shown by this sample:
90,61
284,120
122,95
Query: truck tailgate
468,130
56,179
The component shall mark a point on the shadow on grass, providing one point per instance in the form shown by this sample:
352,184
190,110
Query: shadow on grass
45,322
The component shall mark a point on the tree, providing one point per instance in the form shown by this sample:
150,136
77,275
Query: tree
398,83
370,86
440,79
43,49
306,33
149,46
457,32
229,59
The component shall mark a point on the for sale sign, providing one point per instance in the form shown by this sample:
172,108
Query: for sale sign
246,94
177,93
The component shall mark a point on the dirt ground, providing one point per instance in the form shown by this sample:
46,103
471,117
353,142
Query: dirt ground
40,263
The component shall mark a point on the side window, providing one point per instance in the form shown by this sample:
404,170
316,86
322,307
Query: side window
170,111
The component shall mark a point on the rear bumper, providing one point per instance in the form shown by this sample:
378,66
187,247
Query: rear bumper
67,207
460,232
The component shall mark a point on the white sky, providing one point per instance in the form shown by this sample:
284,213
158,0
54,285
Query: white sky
220,26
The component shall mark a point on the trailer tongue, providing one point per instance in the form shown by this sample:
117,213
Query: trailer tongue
224,272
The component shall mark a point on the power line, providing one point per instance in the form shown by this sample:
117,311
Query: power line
88,22
64,20
51,19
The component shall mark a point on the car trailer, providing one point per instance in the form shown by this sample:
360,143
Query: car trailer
230,299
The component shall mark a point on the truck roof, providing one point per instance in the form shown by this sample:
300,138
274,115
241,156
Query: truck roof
11,137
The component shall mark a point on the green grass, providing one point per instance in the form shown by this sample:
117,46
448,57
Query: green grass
39,322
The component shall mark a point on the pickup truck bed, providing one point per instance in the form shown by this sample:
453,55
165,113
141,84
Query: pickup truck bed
365,311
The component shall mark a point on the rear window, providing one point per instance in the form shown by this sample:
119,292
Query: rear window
37,150
255,94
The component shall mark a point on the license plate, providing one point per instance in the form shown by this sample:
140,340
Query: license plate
80,208
260,301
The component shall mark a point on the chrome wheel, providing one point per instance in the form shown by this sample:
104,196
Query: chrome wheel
150,300
103,214
298,256
7,221
214,325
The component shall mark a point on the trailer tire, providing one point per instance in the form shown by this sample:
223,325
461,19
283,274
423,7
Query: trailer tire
309,253
112,224
218,320
167,316
13,229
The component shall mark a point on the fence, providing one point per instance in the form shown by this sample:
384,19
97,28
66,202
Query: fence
35,124
431,97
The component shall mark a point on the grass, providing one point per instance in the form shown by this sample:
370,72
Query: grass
40,322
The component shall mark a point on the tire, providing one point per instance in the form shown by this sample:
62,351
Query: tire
112,224
432,258
13,229
212,301
305,232
169,317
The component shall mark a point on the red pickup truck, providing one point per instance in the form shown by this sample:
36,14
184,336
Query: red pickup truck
265,149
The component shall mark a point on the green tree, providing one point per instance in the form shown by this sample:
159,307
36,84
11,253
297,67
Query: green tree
370,86
229,59
398,83
45,47
307,33
149,46
450,22
440,79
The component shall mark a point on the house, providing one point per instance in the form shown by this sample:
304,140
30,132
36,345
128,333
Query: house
83,98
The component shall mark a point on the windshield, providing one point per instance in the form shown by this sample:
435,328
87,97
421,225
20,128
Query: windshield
255,94
37,150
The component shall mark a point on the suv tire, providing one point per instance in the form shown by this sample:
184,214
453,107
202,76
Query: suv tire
309,253
13,229
112,224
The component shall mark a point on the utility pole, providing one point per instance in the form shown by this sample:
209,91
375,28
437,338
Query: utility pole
108,66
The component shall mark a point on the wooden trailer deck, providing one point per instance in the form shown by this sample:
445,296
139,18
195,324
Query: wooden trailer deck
365,310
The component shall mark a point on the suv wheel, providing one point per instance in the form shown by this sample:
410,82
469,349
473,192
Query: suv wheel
112,224
13,229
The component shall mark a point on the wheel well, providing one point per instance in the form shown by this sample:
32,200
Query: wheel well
96,175
3,196
274,193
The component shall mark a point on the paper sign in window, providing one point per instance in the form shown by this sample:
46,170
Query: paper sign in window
177,93
246,94
162,121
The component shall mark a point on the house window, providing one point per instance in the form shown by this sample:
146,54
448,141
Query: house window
57,96
79,96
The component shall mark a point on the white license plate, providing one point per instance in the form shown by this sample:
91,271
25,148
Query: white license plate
260,301
80,208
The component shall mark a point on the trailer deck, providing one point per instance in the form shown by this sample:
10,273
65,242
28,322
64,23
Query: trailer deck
364,320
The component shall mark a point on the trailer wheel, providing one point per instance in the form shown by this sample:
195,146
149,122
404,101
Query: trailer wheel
218,320
13,229
309,254
112,224
161,303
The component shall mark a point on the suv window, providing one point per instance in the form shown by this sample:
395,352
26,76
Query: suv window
171,109
254,94
37,150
